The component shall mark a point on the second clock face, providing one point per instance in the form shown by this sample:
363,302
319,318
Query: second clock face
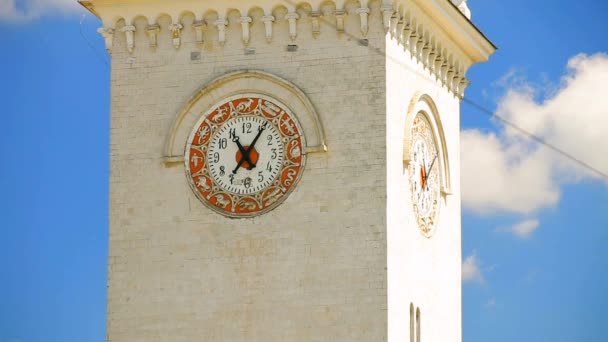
245,155
424,174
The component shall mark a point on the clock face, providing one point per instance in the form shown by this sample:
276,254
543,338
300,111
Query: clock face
424,174
245,155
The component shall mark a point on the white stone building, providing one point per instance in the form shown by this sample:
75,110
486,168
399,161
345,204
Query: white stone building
358,235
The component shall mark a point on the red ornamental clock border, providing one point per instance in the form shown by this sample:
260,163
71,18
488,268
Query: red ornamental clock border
236,205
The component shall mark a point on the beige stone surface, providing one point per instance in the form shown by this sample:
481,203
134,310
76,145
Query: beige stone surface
341,259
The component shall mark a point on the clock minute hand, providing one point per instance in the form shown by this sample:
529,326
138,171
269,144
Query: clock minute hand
260,130
429,171
245,155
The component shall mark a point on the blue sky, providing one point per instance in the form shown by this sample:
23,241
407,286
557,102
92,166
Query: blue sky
534,246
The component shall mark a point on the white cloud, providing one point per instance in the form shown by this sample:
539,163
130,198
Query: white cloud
524,229
500,176
18,11
470,270
506,172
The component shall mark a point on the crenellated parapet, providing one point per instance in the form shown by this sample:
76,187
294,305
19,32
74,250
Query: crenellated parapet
437,34
216,13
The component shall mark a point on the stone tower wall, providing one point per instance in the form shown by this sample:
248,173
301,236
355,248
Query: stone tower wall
313,269
342,259
423,272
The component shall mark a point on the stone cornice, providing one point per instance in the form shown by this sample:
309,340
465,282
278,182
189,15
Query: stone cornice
434,32
440,37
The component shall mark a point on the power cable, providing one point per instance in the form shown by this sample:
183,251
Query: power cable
534,137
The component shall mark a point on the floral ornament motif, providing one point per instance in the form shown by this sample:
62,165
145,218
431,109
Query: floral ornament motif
245,155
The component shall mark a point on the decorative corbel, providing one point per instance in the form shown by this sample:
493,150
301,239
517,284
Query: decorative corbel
431,59
419,45
340,20
444,70
412,42
363,12
456,82
450,79
128,30
398,29
245,28
268,20
451,74
292,17
316,28
437,63
221,30
198,29
426,49
152,32
464,82
176,33
393,23
108,36
405,35
387,13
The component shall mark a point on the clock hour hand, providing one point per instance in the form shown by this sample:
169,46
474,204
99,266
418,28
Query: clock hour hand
429,170
246,153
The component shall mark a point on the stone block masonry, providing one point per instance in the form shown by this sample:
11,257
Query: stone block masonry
341,259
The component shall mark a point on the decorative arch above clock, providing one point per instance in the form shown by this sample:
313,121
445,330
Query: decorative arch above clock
423,103
238,82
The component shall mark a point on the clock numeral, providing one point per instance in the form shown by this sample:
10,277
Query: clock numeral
216,157
232,133
223,143
247,182
269,138
269,167
231,178
260,176
222,170
274,153
246,127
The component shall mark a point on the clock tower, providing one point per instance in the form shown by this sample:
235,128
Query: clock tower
286,171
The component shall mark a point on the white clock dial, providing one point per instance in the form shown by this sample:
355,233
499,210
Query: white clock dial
259,140
245,155
424,174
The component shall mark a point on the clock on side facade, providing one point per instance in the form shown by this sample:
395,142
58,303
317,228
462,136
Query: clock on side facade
424,174
245,155
425,154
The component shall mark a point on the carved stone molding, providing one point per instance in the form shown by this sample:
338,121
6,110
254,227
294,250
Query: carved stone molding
221,30
316,28
199,25
291,18
255,81
129,30
245,28
363,13
387,14
430,47
152,31
176,34
435,33
268,20
340,20
108,37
